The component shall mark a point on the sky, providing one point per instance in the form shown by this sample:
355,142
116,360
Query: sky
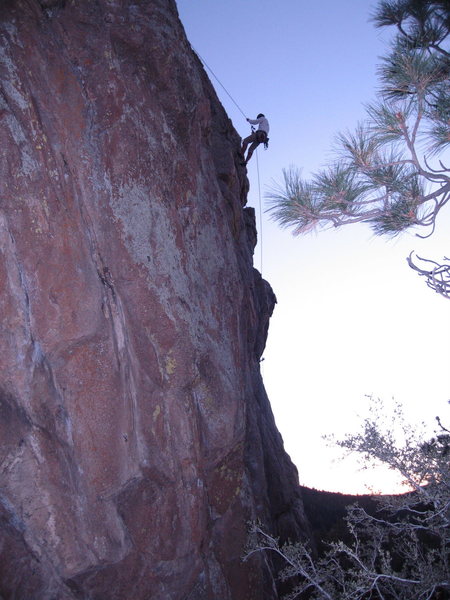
352,319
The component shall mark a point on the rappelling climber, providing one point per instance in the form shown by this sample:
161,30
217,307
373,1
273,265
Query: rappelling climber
257,137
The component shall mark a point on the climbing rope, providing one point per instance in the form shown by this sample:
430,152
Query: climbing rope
220,83
260,216
257,160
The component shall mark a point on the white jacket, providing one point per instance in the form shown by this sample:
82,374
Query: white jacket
262,123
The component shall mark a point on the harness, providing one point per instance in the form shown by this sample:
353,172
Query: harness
262,138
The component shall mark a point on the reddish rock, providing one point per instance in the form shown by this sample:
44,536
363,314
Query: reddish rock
136,436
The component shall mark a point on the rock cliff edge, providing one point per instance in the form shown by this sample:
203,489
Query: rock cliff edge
136,438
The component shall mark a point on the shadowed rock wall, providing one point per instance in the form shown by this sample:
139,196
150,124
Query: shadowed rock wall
136,438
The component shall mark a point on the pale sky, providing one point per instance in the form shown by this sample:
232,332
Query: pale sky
352,318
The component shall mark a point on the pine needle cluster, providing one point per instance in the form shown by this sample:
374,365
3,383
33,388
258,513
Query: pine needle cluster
381,174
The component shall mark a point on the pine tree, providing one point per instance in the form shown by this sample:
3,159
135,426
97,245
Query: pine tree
388,172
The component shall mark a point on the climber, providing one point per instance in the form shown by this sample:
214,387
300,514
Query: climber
260,136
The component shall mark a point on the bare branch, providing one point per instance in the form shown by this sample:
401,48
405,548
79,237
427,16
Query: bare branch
442,170
399,551
437,277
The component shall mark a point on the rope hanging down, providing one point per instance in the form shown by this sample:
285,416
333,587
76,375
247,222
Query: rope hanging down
257,160
260,216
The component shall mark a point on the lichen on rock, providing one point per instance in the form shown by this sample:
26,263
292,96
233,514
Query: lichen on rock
137,439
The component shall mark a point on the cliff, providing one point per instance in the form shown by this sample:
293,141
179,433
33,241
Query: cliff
136,438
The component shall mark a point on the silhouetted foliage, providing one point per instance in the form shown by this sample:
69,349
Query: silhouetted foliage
393,547
386,173
326,513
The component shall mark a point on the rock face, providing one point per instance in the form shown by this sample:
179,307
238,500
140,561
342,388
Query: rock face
136,439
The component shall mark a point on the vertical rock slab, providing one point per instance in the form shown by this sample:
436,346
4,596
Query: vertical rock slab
136,436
